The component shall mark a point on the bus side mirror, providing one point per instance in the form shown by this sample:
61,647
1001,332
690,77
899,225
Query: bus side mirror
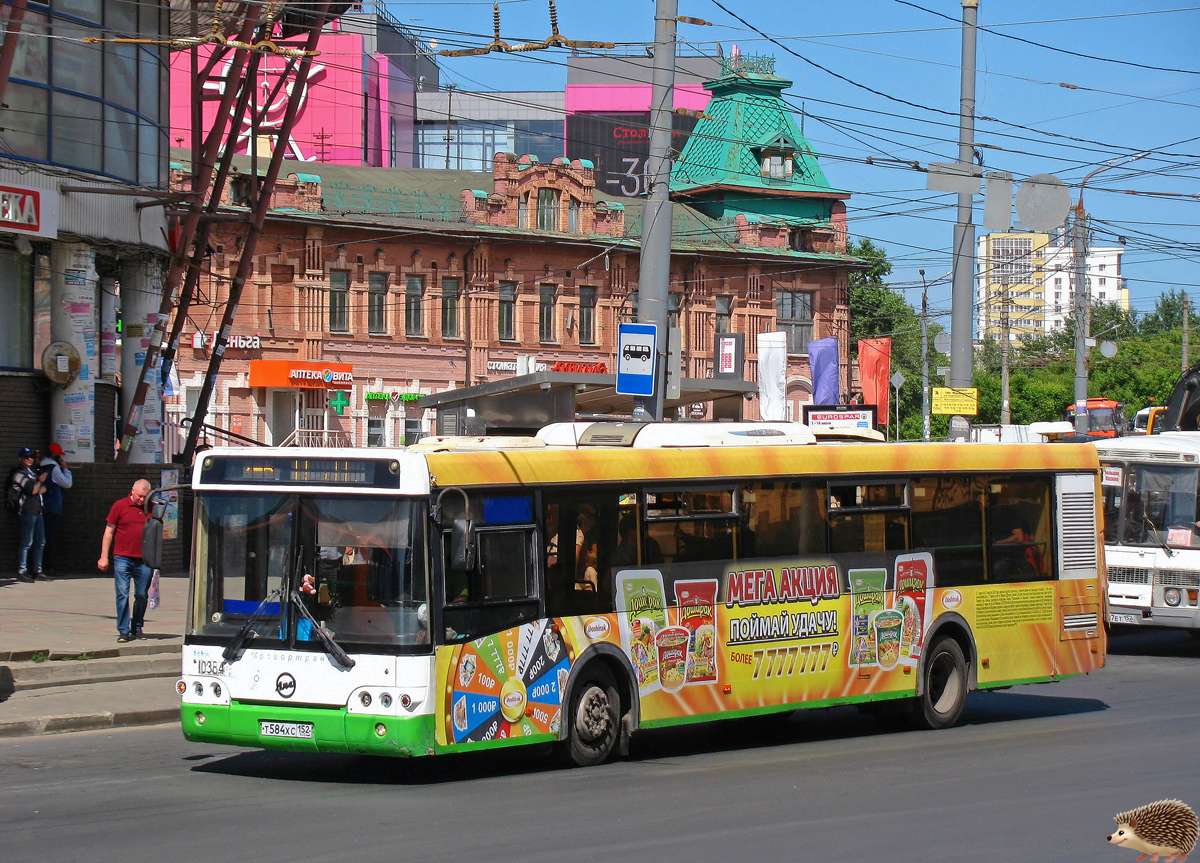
462,550
152,535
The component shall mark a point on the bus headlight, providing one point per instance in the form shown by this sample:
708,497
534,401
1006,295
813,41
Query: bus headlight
365,698
199,688
385,700
1171,596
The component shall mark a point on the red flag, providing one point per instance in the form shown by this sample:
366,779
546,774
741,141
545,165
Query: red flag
874,365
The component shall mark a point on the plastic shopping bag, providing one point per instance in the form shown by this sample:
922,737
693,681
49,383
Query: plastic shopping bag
154,596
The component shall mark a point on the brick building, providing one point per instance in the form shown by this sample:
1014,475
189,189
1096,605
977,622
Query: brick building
375,286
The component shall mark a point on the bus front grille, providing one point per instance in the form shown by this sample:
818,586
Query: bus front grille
1178,578
1129,575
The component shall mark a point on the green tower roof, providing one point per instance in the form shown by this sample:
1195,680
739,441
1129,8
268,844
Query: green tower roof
745,124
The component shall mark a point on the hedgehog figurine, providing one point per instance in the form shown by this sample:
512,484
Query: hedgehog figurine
1168,827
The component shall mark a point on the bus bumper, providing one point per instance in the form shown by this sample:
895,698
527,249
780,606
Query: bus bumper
1161,616
307,729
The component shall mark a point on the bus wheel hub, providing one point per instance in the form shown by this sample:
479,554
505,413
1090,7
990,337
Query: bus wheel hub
592,718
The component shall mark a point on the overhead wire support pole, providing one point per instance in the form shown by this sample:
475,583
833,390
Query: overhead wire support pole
1079,250
962,293
202,177
654,266
255,229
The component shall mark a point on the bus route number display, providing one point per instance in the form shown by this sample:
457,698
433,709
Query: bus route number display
951,402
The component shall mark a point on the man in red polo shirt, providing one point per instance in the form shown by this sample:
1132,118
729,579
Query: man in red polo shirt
123,538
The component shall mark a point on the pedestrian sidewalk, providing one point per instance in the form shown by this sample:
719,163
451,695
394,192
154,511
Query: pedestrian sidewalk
61,668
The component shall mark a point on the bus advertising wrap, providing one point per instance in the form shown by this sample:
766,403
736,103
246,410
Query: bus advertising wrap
709,639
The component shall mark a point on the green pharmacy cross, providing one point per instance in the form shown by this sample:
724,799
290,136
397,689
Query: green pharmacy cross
339,401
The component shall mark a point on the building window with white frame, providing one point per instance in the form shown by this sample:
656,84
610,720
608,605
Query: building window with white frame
450,294
377,291
414,297
339,301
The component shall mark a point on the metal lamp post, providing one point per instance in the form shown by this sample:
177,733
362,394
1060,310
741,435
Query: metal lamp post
1080,246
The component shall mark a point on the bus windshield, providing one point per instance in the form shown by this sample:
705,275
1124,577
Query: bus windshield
356,563
1156,506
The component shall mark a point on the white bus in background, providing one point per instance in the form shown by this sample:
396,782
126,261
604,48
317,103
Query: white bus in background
1151,490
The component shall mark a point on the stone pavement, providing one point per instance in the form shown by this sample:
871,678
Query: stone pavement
61,668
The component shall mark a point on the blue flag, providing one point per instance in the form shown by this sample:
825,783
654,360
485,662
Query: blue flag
823,360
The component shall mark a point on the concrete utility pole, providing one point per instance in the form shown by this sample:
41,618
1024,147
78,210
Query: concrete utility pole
924,358
963,292
1186,314
654,273
1005,403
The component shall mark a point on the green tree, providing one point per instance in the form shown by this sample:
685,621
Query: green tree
877,311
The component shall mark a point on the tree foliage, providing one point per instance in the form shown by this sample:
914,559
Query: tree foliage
1041,368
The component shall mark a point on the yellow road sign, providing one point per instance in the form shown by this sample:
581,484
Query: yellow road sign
951,401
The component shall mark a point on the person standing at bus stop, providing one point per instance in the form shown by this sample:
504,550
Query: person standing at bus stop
123,538
54,463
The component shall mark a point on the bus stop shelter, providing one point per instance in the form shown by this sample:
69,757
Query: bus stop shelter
521,405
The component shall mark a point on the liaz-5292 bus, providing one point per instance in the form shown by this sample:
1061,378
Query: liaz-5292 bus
1151,532
603,578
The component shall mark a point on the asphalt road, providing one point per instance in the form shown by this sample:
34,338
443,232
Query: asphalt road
1034,773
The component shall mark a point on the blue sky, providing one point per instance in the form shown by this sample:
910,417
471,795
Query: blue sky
1050,110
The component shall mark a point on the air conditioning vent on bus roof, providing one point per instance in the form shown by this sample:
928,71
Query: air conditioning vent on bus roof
610,434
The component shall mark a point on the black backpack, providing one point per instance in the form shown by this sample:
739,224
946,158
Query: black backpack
14,493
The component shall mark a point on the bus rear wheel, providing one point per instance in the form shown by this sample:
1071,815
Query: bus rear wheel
595,718
941,702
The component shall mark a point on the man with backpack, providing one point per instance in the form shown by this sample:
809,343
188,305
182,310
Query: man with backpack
23,497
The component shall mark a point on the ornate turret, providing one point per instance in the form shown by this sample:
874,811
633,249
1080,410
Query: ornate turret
746,156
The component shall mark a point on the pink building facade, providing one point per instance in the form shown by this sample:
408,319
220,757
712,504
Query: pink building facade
359,107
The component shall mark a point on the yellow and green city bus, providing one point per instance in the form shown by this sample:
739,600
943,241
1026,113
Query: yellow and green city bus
603,578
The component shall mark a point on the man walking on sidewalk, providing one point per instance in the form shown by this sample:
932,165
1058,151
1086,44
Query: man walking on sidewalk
54,464
123,538
24,497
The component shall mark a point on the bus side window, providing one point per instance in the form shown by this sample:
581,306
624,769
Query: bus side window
1018,519
947,518
785,518
580,533
499,593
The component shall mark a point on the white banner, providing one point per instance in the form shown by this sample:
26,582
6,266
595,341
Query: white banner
772,376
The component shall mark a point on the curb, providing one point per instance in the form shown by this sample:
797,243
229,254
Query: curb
87,722
50,655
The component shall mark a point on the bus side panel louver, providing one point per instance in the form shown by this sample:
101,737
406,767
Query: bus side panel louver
1077,529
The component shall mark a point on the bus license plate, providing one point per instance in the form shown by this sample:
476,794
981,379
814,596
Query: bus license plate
286,729
1114,617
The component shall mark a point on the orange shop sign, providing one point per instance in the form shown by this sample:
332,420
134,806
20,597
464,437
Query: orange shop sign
300,375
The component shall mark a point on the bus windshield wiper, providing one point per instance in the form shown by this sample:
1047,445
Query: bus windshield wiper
331,647
1158,536
230,653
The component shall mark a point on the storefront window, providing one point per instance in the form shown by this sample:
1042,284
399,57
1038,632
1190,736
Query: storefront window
16,298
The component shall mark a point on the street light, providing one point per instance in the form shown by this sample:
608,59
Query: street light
1079,229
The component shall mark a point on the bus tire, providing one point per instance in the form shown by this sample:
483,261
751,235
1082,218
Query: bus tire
595,717
944,695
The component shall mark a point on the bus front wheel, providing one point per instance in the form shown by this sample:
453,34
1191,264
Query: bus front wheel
595,718
941,703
